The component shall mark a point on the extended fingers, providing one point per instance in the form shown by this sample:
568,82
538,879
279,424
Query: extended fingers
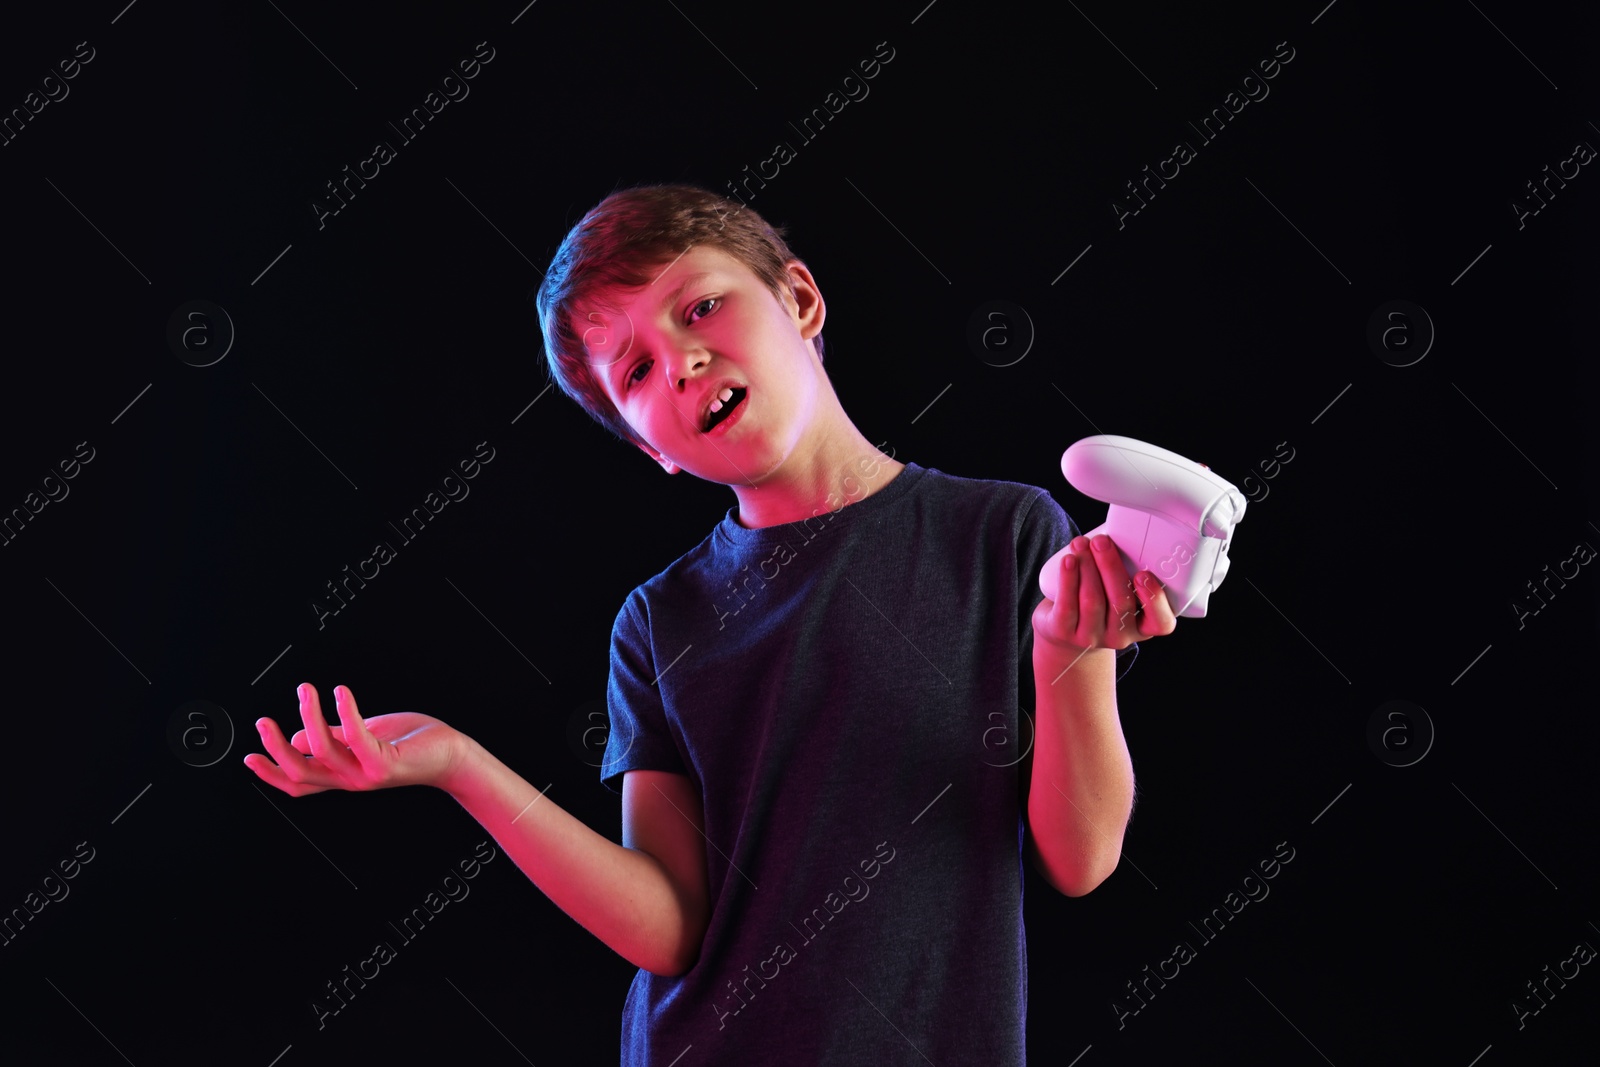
364,753
354,733
291,762
291,772
323,746
274,776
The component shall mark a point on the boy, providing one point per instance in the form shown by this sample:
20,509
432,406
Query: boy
815,731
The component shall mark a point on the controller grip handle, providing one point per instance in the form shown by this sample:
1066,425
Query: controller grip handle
1165,514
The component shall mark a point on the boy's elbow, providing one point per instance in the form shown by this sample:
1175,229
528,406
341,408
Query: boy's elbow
1077,883
1082,887
681,964
678,958
677,962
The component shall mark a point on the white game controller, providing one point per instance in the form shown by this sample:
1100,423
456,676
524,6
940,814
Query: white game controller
1167,514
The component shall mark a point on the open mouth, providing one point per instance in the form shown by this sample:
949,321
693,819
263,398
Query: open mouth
726,411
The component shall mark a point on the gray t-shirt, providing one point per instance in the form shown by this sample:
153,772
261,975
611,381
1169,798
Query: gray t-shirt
844,693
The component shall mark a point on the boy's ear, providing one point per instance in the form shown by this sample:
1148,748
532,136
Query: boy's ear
666,464
809,307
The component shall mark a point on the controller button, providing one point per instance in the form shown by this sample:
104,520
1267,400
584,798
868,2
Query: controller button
1219,570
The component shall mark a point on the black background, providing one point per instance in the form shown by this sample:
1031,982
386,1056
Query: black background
1228,316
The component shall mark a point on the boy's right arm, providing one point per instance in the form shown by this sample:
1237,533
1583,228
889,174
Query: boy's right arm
646,898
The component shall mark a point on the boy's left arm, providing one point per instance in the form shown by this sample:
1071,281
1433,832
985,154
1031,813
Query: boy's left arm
1080,793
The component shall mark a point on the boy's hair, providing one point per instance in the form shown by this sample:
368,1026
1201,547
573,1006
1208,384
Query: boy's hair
624,242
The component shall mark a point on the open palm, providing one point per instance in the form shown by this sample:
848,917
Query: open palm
385,751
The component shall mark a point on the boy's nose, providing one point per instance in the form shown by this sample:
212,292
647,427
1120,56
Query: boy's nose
681,366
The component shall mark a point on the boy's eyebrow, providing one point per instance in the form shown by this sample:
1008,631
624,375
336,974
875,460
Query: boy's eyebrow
672,297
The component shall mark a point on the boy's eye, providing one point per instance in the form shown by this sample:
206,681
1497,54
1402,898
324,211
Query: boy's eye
638,373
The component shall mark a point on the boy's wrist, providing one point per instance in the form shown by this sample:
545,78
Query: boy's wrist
463,766
1052,657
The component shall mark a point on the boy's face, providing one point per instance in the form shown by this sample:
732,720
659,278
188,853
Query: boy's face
704,324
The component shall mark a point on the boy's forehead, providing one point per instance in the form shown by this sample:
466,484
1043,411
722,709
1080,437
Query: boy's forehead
604,325
666,277
604,314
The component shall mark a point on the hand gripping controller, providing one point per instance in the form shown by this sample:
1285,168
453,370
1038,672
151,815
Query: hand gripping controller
1167,514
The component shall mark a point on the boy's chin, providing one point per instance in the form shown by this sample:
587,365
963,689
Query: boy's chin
729,477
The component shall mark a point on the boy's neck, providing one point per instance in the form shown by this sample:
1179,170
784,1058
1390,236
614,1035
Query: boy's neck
842,471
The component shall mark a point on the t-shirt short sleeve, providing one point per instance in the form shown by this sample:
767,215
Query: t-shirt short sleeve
1046,529
639,738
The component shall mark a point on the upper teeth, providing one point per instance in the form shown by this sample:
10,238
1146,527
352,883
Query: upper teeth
722,398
